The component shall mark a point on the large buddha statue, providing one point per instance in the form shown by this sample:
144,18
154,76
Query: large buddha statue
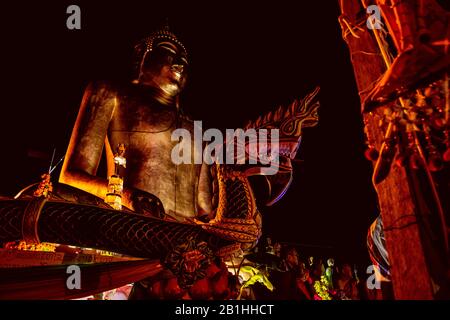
132,125
141,115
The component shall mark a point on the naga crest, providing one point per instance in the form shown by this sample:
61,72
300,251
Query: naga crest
290,120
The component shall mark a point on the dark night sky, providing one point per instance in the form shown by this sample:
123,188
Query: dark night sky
245,60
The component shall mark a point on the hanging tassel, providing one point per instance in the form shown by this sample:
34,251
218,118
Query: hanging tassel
415,161
435,162
387,153
371,152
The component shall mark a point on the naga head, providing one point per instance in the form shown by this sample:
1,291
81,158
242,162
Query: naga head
290,122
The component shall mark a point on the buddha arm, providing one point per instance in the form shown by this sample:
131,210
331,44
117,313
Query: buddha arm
87,142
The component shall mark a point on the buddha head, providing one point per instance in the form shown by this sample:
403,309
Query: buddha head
161,63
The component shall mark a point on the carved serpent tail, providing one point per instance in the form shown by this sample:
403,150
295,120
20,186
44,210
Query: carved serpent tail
94,227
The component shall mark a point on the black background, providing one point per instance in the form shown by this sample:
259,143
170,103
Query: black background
245,60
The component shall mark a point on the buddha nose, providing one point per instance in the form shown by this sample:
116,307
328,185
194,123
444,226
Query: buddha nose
178,68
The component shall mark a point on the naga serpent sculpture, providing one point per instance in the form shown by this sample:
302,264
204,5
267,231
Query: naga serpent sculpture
71,217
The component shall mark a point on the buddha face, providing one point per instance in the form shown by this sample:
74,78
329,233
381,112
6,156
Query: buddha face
165,69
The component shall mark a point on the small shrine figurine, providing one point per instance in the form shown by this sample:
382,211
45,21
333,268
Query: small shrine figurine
115,182
119,159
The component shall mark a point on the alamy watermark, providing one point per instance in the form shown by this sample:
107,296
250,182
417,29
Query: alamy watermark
73,21
373,280
74,280
374,20
239,146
